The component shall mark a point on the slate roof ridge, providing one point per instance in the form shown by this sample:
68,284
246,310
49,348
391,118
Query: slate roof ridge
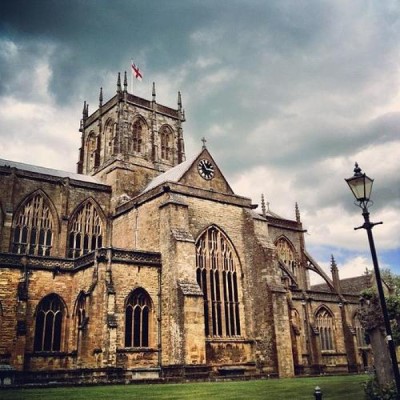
354,284
270,213
49,171
172,175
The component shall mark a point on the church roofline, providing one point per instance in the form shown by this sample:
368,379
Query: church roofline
34,171
279,222
172,175
188,191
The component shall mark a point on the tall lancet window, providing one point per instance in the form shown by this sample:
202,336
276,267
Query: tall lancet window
85,232
91,147
81,314
324,323
137,319
1,319
48,326
217,277
108,138
166,137
359,331
33,228
137,133
286,254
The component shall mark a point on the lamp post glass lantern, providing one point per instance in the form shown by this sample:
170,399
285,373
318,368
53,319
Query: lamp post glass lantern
361,187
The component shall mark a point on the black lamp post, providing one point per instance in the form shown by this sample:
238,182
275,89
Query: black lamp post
361,186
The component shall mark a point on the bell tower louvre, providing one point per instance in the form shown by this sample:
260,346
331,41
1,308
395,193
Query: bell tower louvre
129,140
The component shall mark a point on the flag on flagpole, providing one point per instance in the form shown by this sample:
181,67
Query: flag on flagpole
136,72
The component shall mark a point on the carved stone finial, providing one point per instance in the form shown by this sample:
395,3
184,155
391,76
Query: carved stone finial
154,91
263,209
125,83
119,83
297,213
101,98
204,142
84,111
179,101
333,263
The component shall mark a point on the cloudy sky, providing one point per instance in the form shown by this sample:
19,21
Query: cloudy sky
289,94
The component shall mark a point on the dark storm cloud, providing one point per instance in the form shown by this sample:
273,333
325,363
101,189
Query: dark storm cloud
91,37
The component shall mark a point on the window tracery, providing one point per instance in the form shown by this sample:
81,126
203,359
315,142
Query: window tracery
286,254
166,139
48,326
137,319
108,137
217,277
33,228
91,147
359,331
85,233
137,136
324,323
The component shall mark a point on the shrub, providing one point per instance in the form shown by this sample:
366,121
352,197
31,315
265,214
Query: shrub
375,392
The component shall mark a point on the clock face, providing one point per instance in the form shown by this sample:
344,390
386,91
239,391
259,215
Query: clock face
206,169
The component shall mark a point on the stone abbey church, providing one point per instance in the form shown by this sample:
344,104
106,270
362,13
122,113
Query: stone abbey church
146,265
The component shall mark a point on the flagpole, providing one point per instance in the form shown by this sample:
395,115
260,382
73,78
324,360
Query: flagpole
131,77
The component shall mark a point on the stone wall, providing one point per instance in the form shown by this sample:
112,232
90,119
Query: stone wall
64,196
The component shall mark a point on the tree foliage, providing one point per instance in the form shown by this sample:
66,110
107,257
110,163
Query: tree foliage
371,316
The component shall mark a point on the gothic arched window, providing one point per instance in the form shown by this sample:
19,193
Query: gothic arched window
286,254
137,319
324,323
81,314
359,331
166,137
33,228
108,137
137,136
97,151
1,321
1,220
217,277
91,150
48,327
85,233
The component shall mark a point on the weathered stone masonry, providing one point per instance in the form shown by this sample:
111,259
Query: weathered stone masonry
146,265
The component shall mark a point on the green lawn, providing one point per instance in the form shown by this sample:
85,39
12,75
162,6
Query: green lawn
333,387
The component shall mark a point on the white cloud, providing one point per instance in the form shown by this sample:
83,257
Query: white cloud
355,266
41,133
8,48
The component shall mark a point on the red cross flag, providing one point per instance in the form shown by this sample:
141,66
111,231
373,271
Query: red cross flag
136,72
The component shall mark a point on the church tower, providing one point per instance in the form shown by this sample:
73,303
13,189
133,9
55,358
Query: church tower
128,141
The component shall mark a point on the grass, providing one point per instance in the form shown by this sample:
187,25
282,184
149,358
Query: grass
333,387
